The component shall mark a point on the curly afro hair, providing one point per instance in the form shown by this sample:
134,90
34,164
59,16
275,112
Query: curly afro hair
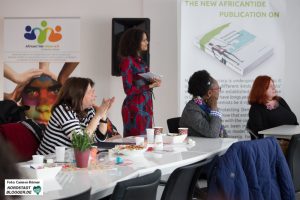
199,83
130,42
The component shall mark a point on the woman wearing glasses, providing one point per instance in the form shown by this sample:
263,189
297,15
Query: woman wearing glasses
201,115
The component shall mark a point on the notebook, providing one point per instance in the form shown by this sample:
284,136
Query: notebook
149,75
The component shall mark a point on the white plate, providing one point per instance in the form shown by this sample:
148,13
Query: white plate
40,172
123,149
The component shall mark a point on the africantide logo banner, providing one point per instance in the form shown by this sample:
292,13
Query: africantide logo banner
235,41
41,39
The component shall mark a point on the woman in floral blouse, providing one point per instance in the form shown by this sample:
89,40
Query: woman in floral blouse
137,109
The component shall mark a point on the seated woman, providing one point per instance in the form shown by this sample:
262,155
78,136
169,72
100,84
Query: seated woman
201,114
74,109
267,109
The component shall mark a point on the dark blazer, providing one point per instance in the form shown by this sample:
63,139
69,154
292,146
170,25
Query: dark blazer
199,122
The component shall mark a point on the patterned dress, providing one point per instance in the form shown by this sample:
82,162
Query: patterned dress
137,109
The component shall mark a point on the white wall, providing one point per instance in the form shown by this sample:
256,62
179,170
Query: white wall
291,85
163,55
96,46
95,59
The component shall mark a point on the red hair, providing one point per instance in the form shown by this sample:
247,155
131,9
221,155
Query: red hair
258,91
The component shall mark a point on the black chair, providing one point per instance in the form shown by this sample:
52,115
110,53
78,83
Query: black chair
293,160
182,182
173,124
86,195
140,188
253,135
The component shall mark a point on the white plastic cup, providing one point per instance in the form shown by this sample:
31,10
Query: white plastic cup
158,139
69,155
38,159
60,154
183,131
150,135
159,142
139,141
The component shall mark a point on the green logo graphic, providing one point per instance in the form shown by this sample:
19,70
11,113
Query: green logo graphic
37,189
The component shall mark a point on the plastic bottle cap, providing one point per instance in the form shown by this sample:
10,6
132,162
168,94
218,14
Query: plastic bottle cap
119,160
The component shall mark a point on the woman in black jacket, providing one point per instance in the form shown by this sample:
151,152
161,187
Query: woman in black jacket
267,109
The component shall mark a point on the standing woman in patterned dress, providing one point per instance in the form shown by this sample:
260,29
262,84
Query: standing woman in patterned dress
137,109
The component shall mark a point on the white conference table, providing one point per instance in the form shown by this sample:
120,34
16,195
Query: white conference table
283,131
102,181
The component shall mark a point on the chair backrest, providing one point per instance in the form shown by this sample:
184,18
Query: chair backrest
293,160
21,138
182,182
86,195
173,124
252,134
143,187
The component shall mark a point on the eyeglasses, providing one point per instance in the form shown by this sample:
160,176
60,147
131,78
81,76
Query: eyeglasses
217,88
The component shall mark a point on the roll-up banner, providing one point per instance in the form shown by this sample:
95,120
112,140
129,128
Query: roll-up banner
235,41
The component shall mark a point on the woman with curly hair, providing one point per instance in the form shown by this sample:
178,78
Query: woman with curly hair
137,108
201,115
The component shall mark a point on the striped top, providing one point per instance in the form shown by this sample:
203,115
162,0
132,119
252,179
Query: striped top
61,124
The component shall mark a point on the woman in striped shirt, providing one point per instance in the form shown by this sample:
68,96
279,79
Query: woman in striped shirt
74,109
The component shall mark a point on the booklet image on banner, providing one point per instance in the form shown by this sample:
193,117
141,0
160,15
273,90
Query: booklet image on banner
235,47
